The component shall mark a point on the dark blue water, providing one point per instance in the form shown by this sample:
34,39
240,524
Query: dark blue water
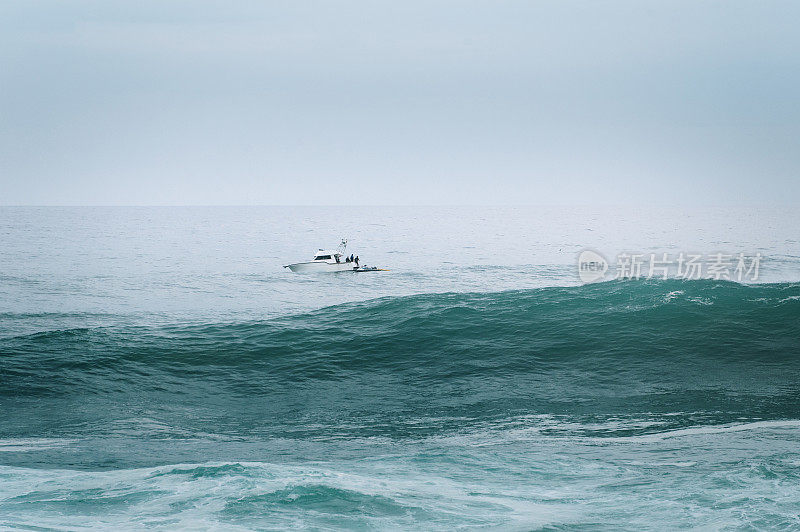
624,404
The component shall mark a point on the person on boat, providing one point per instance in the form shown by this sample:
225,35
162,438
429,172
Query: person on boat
351,257
347,259
356,260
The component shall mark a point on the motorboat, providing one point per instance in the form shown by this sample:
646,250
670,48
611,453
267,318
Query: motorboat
323,261
326,261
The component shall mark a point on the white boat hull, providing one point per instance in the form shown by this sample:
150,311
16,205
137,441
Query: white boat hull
319,266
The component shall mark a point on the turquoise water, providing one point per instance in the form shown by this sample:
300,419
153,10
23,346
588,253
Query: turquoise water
158,368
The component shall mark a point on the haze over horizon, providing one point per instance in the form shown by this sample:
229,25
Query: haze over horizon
202,103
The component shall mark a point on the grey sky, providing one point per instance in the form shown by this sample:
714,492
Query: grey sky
345,102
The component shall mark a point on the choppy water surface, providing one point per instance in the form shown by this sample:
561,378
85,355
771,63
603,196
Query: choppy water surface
158,368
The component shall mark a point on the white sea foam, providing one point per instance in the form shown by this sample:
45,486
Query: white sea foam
672,295
251,494
790,424
32,444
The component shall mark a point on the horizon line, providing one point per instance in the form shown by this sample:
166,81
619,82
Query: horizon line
379,204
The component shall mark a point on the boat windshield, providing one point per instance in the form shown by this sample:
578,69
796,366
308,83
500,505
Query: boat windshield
322,257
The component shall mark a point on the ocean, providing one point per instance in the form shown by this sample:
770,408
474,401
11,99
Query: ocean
159,368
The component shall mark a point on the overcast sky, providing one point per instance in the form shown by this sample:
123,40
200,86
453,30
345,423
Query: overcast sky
370,102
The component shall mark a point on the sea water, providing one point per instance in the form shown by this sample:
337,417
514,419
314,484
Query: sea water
160,368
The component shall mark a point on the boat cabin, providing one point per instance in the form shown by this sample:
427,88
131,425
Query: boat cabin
328,256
